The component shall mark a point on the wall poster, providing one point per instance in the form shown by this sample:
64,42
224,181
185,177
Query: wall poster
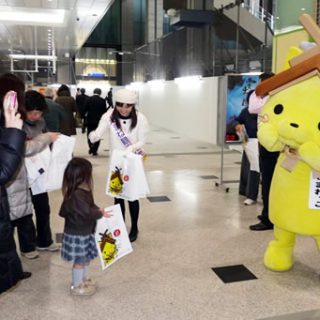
238,85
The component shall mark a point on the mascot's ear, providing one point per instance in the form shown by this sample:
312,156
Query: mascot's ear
293,52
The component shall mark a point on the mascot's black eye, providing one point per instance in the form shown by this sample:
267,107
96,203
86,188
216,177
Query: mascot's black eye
278,109
319,125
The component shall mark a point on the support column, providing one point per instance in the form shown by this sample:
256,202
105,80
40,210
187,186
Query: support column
154,20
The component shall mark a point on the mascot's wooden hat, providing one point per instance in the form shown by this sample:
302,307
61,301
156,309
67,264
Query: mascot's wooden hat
303,66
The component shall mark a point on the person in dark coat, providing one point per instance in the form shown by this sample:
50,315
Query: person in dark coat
94,108
109,99
81,100
245,124
12,142
55,113
68,125
268,161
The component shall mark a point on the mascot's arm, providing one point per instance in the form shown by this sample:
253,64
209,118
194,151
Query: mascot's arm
310,153
268,137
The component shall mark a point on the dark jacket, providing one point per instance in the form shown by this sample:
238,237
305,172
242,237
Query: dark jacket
80,213
81,100
54,115
12,143
94,109
109,99
249,121
68,124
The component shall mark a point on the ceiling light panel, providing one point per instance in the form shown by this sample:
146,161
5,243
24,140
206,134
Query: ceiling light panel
32,16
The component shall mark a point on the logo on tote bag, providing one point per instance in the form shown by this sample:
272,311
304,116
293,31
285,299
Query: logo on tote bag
116,181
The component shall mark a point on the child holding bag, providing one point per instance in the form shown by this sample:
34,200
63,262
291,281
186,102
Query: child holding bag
80,213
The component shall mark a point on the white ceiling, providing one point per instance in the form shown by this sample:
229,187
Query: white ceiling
81,17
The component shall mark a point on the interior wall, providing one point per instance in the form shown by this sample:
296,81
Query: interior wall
281,45
187,110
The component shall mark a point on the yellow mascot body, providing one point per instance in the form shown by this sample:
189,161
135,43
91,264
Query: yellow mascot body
291,124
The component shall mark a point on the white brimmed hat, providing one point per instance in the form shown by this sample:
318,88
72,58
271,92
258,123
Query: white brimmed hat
126,96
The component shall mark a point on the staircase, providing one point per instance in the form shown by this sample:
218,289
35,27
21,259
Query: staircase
252,19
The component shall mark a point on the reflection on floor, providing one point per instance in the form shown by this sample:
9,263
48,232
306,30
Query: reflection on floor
169,274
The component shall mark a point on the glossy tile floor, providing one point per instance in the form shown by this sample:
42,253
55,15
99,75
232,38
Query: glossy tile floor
169,274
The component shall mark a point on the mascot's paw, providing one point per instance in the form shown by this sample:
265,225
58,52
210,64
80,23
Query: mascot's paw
310,153
278,258
268,136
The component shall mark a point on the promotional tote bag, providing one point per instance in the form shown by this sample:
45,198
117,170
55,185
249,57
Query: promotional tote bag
46,168
126,178
61,154
112,238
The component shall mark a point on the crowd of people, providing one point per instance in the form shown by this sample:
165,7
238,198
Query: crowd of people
30,122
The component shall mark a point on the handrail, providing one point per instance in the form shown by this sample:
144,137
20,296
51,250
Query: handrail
259,13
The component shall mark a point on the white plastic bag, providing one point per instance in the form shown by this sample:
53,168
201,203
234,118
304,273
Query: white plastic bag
251,149
112,238
126,178
61,154
37,170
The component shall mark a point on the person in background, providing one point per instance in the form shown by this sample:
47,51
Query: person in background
67,125
81,100
109,98
35,126
134,125
268,162
80,214
55,113
94,108
12,143
245,125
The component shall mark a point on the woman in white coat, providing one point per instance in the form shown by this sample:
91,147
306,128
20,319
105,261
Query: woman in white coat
124,121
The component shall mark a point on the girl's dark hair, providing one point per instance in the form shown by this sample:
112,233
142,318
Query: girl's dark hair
35,101
9,81
115,116
77,172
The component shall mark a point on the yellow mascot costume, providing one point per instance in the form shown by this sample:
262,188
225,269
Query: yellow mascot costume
290,123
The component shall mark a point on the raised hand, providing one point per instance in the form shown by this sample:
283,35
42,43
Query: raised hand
10,107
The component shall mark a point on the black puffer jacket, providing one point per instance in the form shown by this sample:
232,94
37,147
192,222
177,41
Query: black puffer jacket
12,142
